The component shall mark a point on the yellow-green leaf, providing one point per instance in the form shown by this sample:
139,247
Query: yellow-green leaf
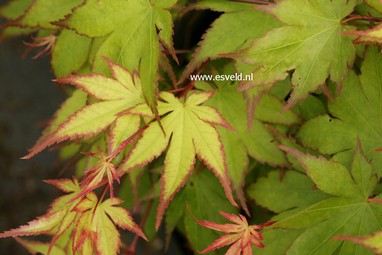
188,126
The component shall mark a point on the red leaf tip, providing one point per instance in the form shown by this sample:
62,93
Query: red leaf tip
240,237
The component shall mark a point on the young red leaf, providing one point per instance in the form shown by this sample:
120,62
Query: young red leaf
241,236
95,175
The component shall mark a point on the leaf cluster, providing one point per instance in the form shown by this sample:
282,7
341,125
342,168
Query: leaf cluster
290,156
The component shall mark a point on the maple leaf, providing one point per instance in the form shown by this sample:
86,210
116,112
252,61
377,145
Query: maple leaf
115,95
232,31
132,38
189,126
202,198
240,235
95,175
86,220
310,43
258,141
58,218
97,222
294,191
355,113
340,207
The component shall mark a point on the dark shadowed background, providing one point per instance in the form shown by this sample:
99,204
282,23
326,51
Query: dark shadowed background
28,98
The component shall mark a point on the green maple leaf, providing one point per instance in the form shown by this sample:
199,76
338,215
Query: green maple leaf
278,194
310,43
116,95
344,210
42,13
229,33
356,114
257,141
132,39
203,198
189,129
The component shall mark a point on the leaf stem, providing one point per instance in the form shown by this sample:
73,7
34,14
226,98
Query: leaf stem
360,17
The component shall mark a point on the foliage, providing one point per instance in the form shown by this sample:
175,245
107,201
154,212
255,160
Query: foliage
282,136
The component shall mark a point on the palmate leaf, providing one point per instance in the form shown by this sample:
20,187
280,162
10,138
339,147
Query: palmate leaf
98,221
310,43
58,218
190,127
357,114
133,41
90,223
257,141
347,210
293,190
229,33
202,198
116,95
240,236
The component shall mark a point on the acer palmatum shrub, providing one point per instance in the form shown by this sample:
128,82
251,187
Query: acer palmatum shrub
273,121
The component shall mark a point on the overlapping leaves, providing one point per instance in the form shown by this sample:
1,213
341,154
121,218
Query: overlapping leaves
90,223
341,207
221,39
309,43
356,113
256,141
115,95
189,128
132,39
